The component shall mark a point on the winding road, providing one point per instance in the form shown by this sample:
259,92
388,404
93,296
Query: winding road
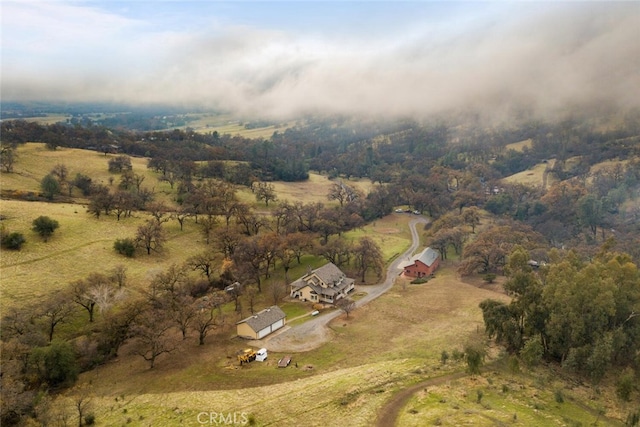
313,333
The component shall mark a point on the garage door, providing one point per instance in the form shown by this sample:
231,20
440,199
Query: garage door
279,324
264,332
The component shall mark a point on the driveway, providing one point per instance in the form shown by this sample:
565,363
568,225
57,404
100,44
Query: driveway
313,333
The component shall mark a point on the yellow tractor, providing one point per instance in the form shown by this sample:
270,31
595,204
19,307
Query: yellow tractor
247,355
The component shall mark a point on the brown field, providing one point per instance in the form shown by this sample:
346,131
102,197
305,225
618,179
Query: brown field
315,189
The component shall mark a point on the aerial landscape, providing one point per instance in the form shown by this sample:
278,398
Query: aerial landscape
346,213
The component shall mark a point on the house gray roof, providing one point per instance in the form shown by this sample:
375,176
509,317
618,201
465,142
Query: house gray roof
427,257
264,318
330,275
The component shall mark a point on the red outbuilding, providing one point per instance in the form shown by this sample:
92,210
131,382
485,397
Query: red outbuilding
423,264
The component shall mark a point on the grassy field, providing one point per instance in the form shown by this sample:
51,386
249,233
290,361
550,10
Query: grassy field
34,161
341,383
503,397
226,124
532,176
519,146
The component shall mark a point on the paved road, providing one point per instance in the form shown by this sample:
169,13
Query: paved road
313,333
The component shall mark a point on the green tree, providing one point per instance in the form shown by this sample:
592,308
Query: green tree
13,241
474,356
265,192
50,186
45,226
590,213
55,364
126,247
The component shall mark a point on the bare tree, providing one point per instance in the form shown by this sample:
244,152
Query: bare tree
152,332
55,310
206,262
368,256
251,294
119,275
151,236
347,305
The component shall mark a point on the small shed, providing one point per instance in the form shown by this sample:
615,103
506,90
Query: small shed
262,323
423,264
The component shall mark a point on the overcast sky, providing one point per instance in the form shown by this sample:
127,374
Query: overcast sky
285,58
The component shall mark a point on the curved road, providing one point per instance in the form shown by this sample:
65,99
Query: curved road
314,332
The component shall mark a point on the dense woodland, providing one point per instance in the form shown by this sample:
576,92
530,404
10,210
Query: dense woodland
569,249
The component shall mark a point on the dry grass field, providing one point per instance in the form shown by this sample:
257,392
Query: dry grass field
226,124
394,341
34,161
519,146
532,176
315,189
81,245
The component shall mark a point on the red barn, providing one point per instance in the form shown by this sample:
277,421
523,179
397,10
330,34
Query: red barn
423,264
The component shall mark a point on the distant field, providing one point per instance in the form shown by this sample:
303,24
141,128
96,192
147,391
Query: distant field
226,124
34,161
49,119
81,245
519,146
315,189
532,176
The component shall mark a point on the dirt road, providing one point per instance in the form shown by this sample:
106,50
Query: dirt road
314,333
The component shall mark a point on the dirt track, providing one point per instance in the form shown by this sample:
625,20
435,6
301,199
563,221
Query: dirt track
389,412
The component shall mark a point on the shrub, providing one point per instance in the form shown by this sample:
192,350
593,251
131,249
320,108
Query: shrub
559,396
625,385
532,351
489,277
13,241
474,356
126,247
90,419
444,356
45,226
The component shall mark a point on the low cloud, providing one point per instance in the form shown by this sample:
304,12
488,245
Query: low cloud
544,57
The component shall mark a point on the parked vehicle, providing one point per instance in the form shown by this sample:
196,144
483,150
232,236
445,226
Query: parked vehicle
261,355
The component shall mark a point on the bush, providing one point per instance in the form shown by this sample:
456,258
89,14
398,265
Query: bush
126,247
625,385
55,364
45,226
90,419
13,241
444,356
474,356
489,277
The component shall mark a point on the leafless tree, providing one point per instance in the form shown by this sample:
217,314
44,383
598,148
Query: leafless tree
151,236
56,310
152,332
347,305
